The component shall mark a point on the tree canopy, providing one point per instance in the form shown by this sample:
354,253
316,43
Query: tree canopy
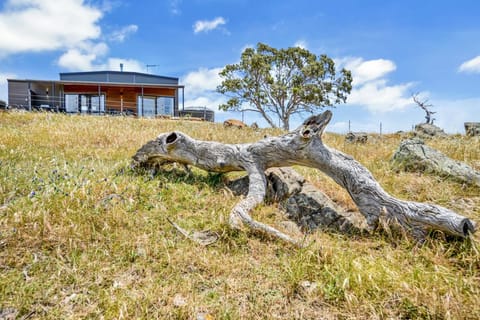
283,82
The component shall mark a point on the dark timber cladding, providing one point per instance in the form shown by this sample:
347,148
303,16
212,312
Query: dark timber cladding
100,92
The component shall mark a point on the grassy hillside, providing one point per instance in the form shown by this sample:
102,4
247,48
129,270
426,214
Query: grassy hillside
81,236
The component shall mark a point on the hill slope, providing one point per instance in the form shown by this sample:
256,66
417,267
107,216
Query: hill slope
83,236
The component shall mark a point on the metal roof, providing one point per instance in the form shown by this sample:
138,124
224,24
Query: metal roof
116,72
116,84
117,76
113,78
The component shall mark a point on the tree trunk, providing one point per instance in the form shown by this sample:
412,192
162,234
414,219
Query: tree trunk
286,123
303,146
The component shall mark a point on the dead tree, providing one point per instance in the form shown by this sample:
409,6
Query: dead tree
425,107
303,146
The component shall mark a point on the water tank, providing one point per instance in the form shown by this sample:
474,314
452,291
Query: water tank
198,113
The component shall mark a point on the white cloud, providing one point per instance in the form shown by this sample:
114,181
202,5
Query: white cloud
71,26
82,57
45,25
200,88
130,65
208,25
92,57
364,71
470,66
370,86
123,33
76,60
201,80
377,96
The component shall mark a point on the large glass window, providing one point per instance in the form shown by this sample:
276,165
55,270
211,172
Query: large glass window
97,104
85,103
71,102
148,107
165,105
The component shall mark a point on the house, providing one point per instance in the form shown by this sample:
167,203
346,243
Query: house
100,92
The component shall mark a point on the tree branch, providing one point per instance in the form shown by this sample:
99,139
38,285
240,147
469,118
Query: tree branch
302,146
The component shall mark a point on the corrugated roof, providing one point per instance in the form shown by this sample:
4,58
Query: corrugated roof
92,73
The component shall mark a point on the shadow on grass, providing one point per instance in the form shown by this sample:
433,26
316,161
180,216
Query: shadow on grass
315,216
174,174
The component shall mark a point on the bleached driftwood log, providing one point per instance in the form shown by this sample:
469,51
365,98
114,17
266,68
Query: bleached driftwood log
303,146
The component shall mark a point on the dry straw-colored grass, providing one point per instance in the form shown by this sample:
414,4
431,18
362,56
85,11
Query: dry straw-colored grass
81,236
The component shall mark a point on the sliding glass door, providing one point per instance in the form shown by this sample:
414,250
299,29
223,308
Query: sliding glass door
151,106
165,105
84,103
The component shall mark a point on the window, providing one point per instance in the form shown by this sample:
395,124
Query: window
150,106
85,103
71,103
97,104
165,105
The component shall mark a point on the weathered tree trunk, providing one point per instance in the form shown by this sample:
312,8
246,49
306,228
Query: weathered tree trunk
303,146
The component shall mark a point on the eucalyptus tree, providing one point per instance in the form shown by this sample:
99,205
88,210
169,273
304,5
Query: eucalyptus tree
283,82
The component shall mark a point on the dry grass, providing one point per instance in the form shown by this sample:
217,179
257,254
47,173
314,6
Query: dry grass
81,236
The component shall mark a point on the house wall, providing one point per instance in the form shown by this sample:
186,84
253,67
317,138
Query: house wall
33,94
121,98
18,95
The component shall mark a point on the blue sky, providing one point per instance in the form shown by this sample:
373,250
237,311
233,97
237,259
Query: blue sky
393,48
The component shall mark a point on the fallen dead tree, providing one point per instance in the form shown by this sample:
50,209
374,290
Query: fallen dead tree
303,146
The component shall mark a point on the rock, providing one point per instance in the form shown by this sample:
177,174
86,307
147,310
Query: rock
283,183
414,155
234,123
472,129
311,209
356,137
302,202
426,130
